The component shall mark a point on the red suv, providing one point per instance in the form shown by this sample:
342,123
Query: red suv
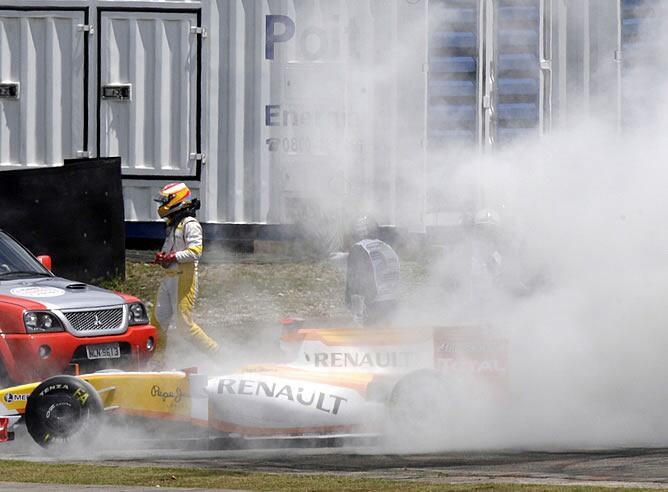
50,325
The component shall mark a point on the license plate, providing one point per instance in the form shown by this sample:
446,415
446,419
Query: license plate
103,351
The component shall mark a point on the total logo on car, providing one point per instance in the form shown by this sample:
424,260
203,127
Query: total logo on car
50,324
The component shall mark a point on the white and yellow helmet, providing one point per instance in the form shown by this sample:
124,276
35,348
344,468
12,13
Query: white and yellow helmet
173,197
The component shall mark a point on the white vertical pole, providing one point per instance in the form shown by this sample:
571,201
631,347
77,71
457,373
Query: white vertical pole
543,65
545,54
489,74
619,59
480,73
425,119
586,59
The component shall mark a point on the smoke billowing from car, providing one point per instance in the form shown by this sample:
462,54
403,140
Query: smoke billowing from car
582,210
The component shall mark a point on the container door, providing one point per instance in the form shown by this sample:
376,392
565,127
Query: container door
149,65
42,86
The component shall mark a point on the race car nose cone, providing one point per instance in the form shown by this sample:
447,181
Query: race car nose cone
44,351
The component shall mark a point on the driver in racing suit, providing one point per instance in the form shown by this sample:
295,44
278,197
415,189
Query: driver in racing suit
179,256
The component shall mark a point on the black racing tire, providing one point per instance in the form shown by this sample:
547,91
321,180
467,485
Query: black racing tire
63,409
418,405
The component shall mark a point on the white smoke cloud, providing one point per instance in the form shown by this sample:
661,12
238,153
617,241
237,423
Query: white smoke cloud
583,254
584,207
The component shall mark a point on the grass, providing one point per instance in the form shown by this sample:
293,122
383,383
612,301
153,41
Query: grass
83,474
141,280
243,298
241,301
238,292
234,292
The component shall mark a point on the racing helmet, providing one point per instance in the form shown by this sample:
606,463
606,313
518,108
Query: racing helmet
173,198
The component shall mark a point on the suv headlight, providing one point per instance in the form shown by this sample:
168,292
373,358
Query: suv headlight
137,314
41,322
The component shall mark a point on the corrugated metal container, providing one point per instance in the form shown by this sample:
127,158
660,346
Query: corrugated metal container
488,65
42,70
266,107
316,100
155,58
608,58
258,105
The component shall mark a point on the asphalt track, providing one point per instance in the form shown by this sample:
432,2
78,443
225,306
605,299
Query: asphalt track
638,467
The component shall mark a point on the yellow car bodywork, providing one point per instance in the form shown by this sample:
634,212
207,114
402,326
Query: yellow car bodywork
156,395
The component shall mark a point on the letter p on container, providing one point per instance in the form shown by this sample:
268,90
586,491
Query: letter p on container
272,36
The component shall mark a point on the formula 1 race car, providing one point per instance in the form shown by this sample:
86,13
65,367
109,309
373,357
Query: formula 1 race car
335,382
341,382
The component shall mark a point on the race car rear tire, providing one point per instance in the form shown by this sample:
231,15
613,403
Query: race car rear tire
62,409
418,405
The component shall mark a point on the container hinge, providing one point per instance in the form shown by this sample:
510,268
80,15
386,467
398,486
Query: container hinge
83,154
546,65
618,56
198,157
200,31
86,28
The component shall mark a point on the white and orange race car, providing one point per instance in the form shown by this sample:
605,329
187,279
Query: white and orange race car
337,382
340,382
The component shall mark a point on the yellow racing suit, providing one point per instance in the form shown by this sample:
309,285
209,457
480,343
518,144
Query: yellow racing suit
177,293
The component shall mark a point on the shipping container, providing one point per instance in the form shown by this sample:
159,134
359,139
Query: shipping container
288,111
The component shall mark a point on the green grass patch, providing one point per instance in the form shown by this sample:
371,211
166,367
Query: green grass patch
141,280
85,474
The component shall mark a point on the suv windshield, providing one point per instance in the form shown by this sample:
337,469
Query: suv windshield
16,261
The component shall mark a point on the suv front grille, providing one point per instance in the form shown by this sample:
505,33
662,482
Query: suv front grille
98,322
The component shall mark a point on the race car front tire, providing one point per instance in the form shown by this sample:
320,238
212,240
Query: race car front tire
62,409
